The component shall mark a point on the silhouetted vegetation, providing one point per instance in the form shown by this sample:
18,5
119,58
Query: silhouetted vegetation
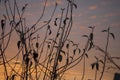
50,57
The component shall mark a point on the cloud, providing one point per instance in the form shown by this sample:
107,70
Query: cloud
106,2
93,7
93,17
110,15
83,28
117,25
29,14
51,3
59,1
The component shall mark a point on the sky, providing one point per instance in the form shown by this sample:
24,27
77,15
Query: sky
98,13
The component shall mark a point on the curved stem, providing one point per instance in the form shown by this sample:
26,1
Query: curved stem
105,57
83,69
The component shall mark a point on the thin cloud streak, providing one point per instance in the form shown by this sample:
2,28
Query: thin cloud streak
93,17
93,7
51,3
